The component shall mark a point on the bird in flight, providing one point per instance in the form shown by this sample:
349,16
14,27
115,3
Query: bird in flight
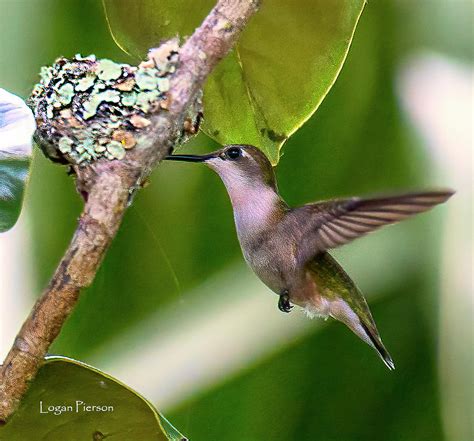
287,247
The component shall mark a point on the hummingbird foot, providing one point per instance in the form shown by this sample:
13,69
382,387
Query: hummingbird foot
284,304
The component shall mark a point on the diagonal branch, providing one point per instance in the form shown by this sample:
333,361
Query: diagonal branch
107,187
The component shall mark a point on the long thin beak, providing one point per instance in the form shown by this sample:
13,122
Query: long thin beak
190,158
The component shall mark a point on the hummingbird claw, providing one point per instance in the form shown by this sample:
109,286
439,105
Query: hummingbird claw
284,304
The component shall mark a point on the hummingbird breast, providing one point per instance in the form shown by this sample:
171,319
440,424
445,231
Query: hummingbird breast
268,265
272,257
268,248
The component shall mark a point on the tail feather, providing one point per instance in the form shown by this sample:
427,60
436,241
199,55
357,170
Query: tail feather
339,297
377,344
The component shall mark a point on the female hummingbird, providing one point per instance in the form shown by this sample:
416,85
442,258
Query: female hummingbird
288,247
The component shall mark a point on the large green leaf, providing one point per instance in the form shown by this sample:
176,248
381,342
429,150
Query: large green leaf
281,69
55,408
16,129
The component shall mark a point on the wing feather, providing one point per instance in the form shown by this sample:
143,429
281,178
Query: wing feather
330,224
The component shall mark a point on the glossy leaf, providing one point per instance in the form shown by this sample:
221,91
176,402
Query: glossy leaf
55,408
16,130
280,71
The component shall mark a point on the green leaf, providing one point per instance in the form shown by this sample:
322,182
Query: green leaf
16,129
71,386
281,69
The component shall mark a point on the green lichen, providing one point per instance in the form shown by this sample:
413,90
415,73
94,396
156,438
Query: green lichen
98,87
85,83
144,99
46,74
79,57
65,94
81,105
65,144
108,70
163,84
49,113
129,99
91,105
98,148
116,149
88,146
147,78
86,151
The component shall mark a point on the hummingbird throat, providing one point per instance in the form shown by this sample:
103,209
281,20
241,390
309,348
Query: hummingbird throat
253,207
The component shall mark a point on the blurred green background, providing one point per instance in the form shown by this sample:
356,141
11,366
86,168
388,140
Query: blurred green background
167,312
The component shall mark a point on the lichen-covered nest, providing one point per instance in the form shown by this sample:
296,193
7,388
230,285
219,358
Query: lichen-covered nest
87,109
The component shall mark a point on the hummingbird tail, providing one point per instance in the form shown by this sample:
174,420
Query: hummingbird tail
338,296
376,343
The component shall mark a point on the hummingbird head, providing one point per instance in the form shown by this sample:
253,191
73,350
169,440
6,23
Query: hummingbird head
241,167
250,181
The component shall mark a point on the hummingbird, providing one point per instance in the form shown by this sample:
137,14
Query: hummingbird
287,247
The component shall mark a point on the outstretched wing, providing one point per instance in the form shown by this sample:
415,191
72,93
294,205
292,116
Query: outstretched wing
329,224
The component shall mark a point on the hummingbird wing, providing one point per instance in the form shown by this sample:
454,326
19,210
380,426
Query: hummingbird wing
345,302
330,224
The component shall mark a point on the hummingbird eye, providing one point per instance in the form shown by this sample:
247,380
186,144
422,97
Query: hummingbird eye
234,153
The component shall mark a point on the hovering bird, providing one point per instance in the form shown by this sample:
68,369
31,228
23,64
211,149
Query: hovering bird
288,247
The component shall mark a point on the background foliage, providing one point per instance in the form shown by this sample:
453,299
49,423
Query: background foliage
251,97
322,384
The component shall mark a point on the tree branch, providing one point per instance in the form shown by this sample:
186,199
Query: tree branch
107,187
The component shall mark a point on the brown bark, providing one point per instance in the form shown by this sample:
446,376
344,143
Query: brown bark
107,187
